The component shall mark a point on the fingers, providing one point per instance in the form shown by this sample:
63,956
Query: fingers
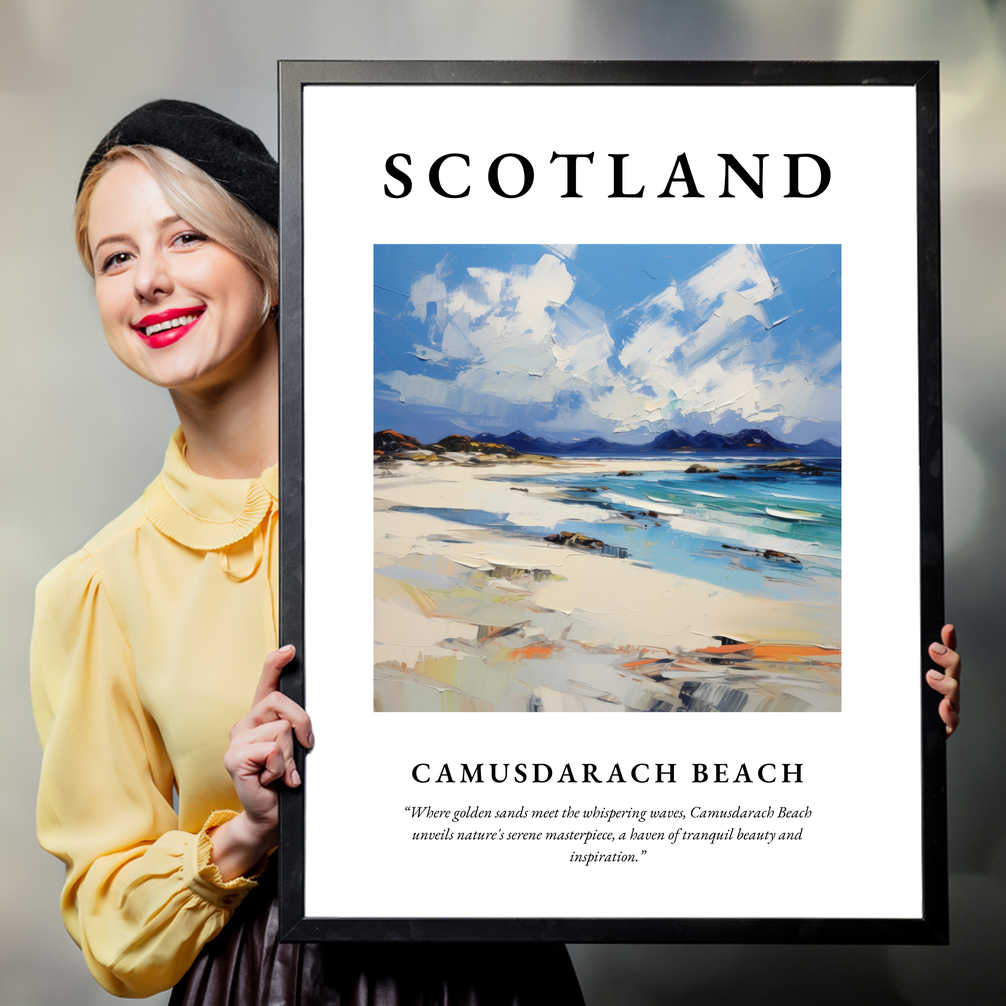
948,710
279,764
262,761
277,706
261,749
271,671
950,716
944,655
947,681
949,687
949,636
270,703
265,751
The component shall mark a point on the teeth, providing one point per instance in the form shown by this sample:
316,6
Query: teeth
174,323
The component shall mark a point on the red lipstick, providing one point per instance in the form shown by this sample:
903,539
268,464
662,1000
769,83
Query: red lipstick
166,325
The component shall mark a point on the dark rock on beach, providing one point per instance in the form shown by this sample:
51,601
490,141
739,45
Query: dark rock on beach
771,553
768,553
696,468
791,465
392,442
574,540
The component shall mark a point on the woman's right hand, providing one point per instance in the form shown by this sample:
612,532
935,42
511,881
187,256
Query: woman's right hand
260,753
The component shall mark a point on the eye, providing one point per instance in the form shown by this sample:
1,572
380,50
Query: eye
189,239
115,261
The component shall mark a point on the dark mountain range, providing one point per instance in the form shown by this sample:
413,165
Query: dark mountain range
539,445
673,440
745,440
519,441
822,447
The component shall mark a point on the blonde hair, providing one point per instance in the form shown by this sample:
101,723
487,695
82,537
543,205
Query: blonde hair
199,200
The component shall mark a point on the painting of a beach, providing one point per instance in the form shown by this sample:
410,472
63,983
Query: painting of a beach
607,478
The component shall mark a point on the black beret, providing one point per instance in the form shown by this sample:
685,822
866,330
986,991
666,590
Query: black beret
230,154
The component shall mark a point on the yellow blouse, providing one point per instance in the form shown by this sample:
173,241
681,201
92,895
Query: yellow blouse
147,647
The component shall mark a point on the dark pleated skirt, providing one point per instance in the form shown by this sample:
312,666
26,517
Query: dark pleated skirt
246,965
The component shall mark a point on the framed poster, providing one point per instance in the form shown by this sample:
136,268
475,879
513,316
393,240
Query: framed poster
649,354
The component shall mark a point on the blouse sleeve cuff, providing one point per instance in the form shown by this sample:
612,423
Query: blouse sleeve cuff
202,876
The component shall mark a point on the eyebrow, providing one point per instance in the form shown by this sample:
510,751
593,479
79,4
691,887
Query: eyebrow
111,238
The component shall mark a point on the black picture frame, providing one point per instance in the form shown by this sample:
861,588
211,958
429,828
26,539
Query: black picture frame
932,925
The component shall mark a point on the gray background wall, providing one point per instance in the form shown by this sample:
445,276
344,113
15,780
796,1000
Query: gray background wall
81,436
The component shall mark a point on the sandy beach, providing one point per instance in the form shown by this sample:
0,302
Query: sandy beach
485,618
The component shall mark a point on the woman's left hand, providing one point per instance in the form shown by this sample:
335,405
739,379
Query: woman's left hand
947,682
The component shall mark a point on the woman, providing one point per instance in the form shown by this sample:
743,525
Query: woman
148,643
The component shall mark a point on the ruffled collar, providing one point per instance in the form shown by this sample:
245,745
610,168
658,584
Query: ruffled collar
203,513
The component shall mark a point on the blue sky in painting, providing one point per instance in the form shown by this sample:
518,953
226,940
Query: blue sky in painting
621,341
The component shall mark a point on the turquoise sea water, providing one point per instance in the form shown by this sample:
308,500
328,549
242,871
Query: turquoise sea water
699,525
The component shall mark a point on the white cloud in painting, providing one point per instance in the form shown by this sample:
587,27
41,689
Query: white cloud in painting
687,355
703,346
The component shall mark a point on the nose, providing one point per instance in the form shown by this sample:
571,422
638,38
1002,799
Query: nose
152,277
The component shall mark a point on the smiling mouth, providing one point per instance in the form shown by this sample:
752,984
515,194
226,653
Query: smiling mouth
166,323
185,319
